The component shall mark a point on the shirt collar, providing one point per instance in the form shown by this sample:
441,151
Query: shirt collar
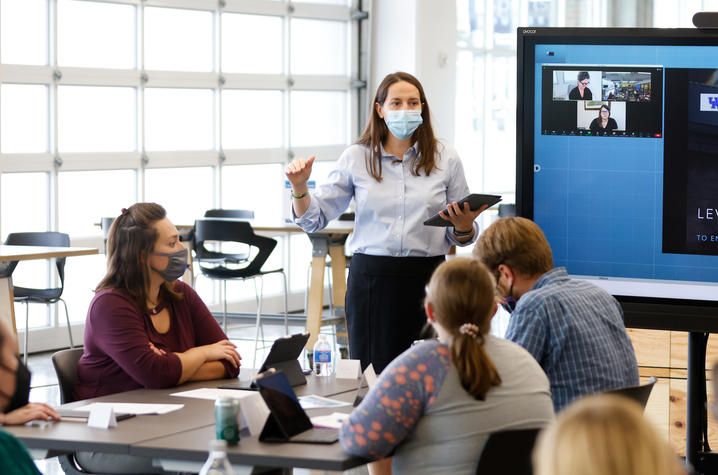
553,276
413,151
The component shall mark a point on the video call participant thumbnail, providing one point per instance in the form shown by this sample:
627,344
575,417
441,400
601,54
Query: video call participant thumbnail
604,122
581,92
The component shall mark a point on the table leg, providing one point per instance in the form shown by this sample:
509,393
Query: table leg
315,299
7,302
339,289
188,276
695,404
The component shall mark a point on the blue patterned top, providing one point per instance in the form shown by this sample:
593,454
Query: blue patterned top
419,411
575,331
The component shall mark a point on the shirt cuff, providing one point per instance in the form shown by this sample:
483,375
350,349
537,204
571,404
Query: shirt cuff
455,241
310,221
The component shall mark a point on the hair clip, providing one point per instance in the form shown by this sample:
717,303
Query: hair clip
469,329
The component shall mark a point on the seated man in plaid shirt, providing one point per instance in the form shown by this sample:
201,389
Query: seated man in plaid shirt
574,329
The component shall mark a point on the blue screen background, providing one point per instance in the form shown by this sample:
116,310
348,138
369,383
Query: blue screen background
600,199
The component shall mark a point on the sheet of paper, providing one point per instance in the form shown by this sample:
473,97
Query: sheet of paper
254,412
214,393
370,375
131,408
331,421
348,369
101,416
316,402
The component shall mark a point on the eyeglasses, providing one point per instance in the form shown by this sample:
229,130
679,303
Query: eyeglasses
585,83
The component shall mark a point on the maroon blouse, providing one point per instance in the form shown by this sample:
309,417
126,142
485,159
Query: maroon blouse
117,356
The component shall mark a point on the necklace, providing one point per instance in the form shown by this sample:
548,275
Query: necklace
156,309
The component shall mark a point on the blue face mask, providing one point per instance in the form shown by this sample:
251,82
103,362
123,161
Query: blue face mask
403,123
176,266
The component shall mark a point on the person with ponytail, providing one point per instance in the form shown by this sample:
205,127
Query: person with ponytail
435,405
145,328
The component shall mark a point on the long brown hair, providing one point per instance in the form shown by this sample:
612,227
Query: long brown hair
461,291
376,132
130,241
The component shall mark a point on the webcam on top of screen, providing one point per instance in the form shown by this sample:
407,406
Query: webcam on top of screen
706,20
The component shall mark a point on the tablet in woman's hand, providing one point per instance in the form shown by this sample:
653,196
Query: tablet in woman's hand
475,201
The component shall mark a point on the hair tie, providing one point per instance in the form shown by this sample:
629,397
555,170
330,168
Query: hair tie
469,329
123,211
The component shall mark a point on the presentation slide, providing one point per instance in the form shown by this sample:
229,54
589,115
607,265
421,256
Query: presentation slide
690,184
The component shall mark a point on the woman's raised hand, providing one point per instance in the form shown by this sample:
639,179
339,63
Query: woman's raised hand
299,171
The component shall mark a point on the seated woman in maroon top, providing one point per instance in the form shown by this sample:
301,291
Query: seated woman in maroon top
144,328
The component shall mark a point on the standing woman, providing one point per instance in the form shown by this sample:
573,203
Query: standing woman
399,175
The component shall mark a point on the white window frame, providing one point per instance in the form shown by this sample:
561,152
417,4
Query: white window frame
53,76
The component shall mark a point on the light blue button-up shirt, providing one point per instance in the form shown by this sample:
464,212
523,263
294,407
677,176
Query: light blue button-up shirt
390,215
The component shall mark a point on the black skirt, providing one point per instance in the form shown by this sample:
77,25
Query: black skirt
385,305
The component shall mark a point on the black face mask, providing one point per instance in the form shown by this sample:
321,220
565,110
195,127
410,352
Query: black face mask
21,396
507,302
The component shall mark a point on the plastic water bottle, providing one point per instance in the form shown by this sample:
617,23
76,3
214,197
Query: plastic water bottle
322,357
217,463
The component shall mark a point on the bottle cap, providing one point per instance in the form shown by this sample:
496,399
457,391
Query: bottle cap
218,445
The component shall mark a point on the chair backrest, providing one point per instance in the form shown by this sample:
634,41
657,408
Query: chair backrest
230,230
229,213
640,393
507,209
48,238
508,453
65,363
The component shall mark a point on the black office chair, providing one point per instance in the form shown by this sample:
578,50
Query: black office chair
33,295
65,363
507,209
104,225
640,393
230,213
508,453
235,231
216,256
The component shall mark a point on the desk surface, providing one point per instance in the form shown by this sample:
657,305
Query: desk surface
196,415
188,446
192,446
333,227
22,253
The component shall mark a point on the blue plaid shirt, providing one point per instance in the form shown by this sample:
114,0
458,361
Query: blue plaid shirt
575,331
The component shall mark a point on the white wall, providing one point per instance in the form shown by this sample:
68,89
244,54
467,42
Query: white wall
419,37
